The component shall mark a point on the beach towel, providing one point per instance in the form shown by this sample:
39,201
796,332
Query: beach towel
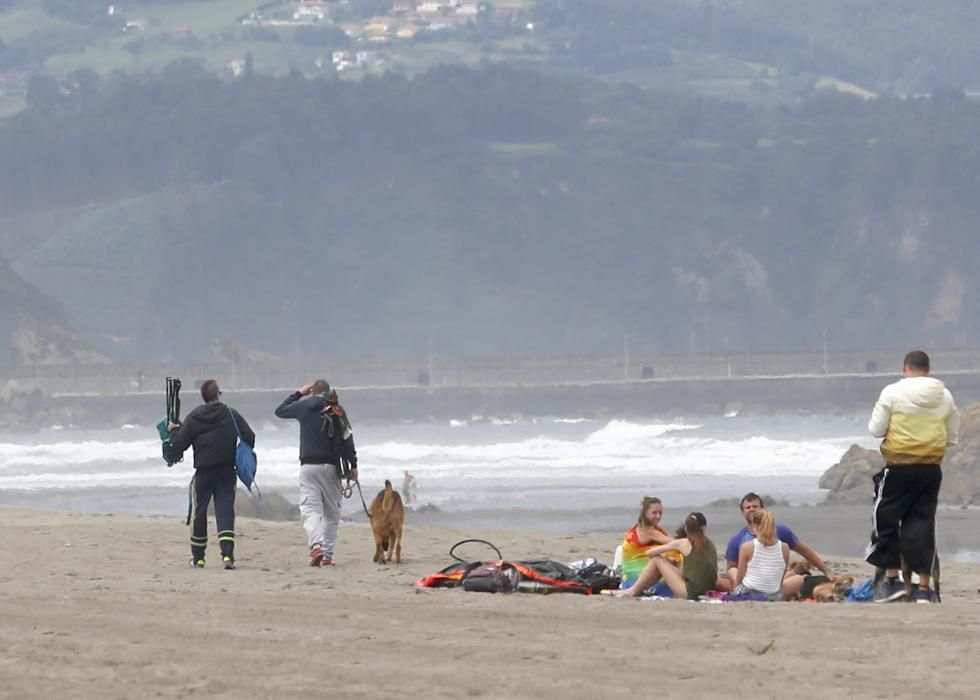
635,560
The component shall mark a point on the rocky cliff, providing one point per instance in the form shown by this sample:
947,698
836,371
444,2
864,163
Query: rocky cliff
849,481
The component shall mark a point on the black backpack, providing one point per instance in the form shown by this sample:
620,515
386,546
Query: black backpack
599,577
497,577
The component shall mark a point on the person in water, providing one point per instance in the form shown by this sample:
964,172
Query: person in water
762,562
645,534
695,577
408,490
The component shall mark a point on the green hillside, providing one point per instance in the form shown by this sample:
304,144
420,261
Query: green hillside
751,50
489,211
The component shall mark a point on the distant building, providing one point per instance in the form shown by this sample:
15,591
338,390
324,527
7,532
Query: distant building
378,27
430,7
441,26
402,8
135,25
368,59
310,11
353,31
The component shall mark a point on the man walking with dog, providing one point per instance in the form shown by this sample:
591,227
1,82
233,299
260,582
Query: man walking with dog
326,455
918,420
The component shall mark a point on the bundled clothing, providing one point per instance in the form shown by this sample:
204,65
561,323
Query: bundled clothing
918,420
326,441
210,430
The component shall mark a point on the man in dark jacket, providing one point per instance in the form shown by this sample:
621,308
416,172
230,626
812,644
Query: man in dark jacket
325,443
210,429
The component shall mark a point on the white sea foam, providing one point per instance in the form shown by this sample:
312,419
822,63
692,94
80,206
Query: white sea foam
527,463
68,452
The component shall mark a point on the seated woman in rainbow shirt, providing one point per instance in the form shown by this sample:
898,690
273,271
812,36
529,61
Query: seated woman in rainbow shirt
645,534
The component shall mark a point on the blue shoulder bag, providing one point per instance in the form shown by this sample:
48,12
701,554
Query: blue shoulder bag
246,463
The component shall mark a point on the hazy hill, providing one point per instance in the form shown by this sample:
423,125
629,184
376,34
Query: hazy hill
489,211
28,319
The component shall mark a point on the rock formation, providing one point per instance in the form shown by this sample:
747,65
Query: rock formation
849,481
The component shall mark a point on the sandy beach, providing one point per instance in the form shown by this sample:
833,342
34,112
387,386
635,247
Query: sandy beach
106,607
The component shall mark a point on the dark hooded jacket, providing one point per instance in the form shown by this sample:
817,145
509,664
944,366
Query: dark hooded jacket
316,446
210,430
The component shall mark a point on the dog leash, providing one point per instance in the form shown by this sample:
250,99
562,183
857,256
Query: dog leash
348,492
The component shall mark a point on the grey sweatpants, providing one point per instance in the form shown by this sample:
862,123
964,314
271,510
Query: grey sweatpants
319,504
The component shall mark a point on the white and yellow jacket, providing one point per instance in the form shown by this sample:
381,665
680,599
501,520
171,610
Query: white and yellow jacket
918,419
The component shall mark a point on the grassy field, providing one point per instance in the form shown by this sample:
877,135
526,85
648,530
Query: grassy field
218,37
210,17
112,55
21,23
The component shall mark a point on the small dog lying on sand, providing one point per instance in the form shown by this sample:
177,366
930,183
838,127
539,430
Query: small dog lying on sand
833,591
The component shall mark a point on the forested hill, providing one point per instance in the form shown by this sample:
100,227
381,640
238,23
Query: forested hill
488,211
22,310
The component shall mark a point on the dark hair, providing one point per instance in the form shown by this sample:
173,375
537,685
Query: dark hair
694,525
210,391
644,504
917,360
751,496
320,386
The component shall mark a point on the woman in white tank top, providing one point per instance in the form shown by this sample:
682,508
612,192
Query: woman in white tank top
762,562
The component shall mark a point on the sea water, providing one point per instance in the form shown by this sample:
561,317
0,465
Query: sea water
514,471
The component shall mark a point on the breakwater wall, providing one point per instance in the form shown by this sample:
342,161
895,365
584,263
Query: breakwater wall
633,399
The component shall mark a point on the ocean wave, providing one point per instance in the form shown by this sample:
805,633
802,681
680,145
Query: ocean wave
83,452
616,454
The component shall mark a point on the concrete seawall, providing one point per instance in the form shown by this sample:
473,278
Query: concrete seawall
640,399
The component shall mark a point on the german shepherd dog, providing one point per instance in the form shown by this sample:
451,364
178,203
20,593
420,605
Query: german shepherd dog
387,518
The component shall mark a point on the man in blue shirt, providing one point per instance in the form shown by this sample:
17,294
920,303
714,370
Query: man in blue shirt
324,445
750,503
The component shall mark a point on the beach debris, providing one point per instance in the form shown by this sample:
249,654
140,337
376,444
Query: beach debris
763,650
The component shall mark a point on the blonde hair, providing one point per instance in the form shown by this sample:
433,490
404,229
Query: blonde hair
764,526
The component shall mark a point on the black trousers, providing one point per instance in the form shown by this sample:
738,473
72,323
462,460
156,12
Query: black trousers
904,517
220,483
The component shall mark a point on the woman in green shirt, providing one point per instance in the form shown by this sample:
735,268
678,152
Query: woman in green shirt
699,572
